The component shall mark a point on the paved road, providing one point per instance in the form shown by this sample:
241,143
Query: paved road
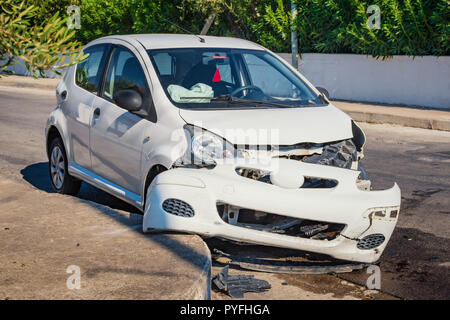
415,264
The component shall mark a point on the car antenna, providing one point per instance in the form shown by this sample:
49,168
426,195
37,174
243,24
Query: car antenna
185,30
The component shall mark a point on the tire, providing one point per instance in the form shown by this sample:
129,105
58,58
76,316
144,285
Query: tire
60,179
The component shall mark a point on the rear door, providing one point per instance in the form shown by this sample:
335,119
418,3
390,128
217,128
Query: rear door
80,94
117,135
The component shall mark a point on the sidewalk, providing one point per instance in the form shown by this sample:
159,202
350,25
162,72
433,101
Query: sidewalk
408,117
42,234
361,112
29,82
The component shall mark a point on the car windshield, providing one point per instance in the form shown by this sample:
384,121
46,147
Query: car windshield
217,78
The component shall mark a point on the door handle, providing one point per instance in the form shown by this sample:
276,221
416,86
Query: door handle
97,112
64,95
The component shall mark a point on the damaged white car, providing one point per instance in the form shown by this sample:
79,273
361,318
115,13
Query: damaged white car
220,137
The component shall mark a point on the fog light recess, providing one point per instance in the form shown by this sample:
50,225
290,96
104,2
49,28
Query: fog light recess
371,241
178,207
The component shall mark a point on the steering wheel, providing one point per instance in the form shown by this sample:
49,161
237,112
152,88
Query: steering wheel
250,87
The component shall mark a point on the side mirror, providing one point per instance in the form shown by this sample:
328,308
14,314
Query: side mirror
128,99
324,92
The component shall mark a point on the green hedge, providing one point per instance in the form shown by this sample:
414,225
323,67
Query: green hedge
408,27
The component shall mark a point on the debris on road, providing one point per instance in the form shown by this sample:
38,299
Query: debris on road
236,286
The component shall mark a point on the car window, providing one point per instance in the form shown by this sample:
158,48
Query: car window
88,74
165,63
274,83
212,77
125,72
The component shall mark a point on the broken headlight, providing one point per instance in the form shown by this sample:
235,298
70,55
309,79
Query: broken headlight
205,147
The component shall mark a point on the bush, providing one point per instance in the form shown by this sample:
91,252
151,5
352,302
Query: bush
408,27
40,46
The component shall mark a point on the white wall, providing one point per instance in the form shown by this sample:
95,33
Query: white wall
19,69
420,81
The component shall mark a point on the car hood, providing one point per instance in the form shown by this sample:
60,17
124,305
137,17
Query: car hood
275,126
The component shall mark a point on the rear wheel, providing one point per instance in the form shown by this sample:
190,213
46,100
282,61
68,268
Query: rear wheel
61,181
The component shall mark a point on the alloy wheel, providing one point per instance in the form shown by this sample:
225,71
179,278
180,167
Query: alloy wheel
57,168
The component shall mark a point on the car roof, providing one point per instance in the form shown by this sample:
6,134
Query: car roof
167,41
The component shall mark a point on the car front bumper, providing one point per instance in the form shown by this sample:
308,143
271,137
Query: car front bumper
343,204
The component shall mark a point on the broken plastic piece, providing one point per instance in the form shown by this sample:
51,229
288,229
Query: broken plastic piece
287,267
236,286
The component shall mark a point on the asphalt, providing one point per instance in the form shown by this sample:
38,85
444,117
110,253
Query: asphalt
43,233
416,262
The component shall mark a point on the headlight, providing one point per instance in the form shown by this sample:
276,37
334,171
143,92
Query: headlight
205,147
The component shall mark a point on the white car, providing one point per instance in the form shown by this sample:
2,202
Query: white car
219,137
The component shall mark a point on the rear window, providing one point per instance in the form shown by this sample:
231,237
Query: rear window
88,74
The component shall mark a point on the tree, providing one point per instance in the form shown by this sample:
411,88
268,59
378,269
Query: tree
41,47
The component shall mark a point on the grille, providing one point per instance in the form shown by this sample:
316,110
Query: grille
370,241
279,224
178,208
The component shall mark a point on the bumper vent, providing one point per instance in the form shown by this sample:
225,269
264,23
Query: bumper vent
370,241
178,208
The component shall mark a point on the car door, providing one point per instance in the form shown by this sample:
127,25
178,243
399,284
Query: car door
79,96
117,136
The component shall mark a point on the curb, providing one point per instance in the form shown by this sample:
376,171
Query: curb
404,116
201,290
432,124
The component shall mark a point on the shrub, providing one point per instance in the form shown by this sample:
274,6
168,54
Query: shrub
408,27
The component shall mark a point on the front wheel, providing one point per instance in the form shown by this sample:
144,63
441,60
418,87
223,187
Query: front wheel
61,181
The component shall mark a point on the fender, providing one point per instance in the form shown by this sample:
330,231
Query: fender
58,120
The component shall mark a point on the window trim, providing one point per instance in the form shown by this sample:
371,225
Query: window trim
150,106
101,67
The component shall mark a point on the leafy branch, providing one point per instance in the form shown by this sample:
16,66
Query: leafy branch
42,47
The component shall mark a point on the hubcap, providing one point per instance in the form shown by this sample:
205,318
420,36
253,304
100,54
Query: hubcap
57,167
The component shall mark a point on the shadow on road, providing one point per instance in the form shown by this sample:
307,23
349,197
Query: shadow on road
37,175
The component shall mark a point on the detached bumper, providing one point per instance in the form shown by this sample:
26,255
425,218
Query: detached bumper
367,215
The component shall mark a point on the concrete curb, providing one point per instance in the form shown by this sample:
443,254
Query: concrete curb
404,116
360,112
201,289
433,124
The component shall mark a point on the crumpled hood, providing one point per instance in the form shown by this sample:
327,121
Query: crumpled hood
277,126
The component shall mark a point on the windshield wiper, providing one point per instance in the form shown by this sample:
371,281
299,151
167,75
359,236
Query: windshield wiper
230,99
